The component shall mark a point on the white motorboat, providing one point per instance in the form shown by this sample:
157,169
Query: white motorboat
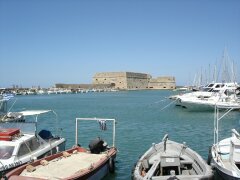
21,142
221,100
171,160
225,154
207,92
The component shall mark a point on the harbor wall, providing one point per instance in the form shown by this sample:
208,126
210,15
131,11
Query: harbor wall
82,86
166,82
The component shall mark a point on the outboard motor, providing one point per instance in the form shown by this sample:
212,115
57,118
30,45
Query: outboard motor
97,145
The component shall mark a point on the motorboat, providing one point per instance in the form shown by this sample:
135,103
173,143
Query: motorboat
225,154
75,163
224,100
5,115
206,92
22,142
13,117
171,160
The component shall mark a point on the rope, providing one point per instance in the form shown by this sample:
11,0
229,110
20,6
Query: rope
168,105
160,101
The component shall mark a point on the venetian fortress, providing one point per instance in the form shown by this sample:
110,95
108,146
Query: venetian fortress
133,81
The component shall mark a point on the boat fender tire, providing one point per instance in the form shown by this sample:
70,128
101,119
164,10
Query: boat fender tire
4,177
209,159
111,165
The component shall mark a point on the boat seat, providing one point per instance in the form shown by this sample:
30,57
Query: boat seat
186,160
192,172
170,161
185,172
153,159
145,164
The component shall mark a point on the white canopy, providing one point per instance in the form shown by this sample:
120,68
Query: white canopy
34,112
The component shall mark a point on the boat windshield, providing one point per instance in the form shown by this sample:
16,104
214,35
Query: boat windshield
207,89
210,85
6,151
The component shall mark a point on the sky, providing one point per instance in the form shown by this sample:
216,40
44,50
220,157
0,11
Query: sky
68,41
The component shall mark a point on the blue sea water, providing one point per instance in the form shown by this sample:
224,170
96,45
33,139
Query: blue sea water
141,121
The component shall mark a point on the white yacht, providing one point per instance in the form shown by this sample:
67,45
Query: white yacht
21,142
224,100
222,94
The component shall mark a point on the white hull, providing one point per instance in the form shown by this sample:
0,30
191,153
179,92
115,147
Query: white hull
208,106
47,149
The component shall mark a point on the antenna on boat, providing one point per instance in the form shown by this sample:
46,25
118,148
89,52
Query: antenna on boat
217,118
9,109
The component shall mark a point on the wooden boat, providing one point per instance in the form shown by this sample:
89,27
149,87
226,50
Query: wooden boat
20,142
171,160
75,163
225,154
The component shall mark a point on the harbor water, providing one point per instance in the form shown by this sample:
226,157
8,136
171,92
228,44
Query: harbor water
143,118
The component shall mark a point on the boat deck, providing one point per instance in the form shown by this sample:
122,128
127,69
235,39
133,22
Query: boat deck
63,167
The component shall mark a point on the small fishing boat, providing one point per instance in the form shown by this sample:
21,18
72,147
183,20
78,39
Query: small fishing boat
21,142
75,163
225,154
171,160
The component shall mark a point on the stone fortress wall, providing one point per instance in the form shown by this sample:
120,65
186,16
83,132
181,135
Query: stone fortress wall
162,83
132,80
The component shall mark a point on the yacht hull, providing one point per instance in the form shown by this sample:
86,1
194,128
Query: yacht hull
202,105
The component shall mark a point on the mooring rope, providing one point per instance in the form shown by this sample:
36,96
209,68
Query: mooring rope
168,105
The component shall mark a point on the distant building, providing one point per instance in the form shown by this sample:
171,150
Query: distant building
132,80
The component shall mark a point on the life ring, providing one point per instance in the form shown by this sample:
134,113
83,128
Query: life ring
111,165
